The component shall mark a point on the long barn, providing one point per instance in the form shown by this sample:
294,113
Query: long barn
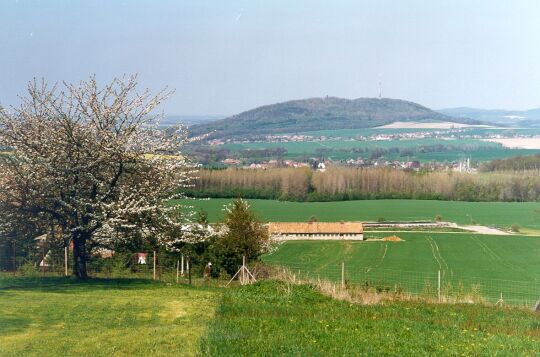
316,230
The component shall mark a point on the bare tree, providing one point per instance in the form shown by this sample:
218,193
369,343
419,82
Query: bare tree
92,161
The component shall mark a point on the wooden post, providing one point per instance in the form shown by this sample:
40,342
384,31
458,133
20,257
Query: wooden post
14,258
189,269
439,285
177,270
182,266
66,261
343,275
243,269
154,265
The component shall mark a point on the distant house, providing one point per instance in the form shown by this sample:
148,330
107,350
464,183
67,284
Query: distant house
316,230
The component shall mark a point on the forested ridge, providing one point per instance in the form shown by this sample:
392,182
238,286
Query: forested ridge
345,183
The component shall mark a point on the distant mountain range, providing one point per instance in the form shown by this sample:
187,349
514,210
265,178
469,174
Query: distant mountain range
322,114
522,118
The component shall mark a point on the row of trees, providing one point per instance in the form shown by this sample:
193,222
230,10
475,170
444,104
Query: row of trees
519,163
345,183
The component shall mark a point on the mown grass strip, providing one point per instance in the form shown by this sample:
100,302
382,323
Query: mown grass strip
58,317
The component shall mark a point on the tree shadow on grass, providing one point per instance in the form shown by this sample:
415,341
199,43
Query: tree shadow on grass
62,284
13,324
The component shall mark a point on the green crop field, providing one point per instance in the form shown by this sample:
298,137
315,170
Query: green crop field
340,149
310,146
352,133
498,264
499,214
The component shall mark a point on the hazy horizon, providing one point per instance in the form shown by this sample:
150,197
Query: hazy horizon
223,58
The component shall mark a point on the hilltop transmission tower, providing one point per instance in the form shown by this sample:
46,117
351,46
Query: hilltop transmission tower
380,90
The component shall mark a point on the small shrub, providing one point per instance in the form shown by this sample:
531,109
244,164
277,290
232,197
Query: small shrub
29,269
515,228
381,219
438,218
224,276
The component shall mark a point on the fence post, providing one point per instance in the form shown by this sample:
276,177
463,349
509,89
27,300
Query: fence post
243,277
177,270
14,258
66,261
439,285
182,266
154,272
188,266
343,275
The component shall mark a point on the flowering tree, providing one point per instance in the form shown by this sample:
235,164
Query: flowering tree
92,161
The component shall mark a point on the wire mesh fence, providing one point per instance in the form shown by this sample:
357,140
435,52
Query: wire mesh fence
173,267
434,285
152,265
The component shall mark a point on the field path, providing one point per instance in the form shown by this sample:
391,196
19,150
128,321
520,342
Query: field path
438,256
485,230
466,230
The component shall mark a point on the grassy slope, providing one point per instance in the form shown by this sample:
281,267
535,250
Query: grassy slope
54,317
49,317
272,319
487,213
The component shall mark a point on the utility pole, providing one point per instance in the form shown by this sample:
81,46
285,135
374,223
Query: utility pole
66,261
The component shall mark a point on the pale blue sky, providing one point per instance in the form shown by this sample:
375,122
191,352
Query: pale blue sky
223,57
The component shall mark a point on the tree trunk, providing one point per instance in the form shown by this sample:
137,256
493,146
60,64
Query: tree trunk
79,255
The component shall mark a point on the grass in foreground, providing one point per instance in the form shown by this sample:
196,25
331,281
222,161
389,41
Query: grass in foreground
59,317
274,318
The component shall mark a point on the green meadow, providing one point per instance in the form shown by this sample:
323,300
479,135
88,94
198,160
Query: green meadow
497,214
279,319
61,317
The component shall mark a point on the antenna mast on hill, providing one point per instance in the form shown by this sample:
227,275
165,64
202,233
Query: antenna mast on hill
380,90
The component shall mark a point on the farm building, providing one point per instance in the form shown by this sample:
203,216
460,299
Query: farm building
316,230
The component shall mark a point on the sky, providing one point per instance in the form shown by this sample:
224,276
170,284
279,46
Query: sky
226,56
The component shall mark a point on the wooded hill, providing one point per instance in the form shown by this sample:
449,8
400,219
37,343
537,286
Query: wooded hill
321,114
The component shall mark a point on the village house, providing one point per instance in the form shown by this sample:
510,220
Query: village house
316,230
